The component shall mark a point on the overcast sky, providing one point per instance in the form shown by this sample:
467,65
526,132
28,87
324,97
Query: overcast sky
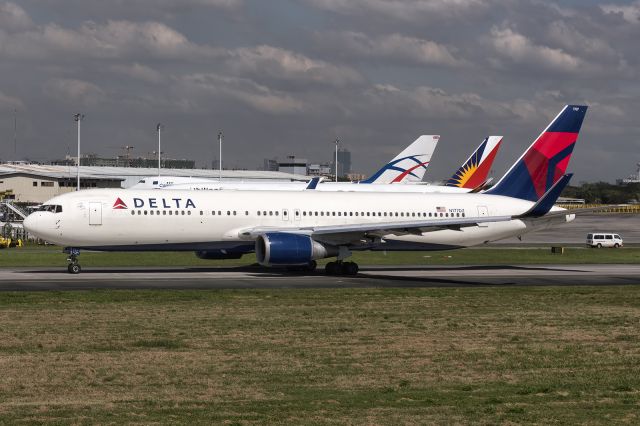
289,76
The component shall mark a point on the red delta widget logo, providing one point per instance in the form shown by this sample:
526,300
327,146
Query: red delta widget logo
119,204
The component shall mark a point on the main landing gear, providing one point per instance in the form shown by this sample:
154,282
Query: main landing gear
73,267
340,267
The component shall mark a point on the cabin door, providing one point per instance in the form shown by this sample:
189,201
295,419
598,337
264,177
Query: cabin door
483,211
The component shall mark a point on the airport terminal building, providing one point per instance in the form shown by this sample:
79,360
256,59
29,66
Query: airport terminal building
36,183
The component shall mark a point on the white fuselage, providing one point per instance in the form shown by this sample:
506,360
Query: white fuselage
204,185
115,219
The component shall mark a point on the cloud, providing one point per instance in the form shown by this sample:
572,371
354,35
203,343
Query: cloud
139,72
426,101
391,46
213,86
74,91
408,10
10,103
521,50
115,39
283,64
13,18
629,12
570,38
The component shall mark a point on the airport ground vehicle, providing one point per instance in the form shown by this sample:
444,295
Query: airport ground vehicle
286,228
604,239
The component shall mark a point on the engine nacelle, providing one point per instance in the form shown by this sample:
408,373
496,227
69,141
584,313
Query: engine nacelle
281,248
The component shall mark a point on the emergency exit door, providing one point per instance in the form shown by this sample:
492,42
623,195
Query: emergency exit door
95,213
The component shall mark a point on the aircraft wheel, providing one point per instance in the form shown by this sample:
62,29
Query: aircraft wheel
74,268
350,268
331,268
311,266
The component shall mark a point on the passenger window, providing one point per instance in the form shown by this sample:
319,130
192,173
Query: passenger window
246,213
133,212
164,212
145,212
182,212
189,212
201,213
277,213
258,212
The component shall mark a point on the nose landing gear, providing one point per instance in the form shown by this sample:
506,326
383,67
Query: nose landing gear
73,267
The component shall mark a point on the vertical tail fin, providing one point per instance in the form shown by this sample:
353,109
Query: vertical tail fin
408,166
546,160
475,170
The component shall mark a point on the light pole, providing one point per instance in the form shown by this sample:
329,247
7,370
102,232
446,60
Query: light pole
336,163
78,118
159,129
220,157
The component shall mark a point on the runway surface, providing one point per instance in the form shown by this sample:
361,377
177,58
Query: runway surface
40,279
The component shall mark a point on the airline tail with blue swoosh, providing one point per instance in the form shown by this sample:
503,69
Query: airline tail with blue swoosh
545,162
408,166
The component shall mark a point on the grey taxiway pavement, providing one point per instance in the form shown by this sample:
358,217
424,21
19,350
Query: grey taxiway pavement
40,279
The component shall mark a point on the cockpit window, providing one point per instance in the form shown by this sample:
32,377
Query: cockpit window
53,208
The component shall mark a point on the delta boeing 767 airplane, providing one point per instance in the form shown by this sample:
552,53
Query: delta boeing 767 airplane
294,229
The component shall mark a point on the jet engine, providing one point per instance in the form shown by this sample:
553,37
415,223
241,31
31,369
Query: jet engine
281,248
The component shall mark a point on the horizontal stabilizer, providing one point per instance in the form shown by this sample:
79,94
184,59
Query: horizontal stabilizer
546,202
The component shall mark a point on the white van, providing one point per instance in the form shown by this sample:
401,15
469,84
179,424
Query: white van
604,239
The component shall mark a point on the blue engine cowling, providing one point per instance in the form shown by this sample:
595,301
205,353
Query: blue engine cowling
281,248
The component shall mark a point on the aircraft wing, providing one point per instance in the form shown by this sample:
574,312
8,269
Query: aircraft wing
344,234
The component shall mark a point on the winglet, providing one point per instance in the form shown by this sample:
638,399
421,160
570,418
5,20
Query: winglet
544,204
313,182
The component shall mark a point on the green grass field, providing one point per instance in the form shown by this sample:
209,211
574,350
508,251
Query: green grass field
52,256
542,355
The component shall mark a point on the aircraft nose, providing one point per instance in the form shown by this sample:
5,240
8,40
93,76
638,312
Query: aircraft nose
30,223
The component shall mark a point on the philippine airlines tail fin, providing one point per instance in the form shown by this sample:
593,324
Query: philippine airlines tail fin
408,166
473,172
546,160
